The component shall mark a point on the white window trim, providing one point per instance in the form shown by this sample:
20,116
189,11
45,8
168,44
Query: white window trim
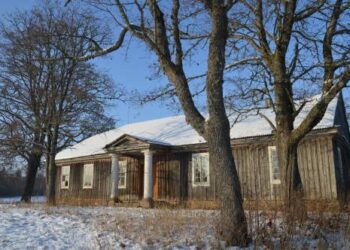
272,181
202,184
126,170
65,187
92,179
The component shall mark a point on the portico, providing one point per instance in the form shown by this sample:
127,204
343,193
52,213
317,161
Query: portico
140,149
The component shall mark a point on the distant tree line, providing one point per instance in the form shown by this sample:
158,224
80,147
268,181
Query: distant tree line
13,183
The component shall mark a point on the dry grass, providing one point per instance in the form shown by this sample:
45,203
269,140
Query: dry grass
167,226
325,226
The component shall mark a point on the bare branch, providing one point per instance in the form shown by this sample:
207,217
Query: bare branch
106,51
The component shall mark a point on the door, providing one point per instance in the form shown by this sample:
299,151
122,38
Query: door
166,179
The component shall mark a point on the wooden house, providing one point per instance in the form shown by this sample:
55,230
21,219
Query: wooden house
166,161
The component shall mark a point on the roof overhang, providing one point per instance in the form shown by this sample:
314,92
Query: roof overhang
253,140
127,144
132,144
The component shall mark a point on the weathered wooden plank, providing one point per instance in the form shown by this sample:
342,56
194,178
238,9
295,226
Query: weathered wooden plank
301,165
331,168
328,183
313,183
318,168
307,172
266,179
317,191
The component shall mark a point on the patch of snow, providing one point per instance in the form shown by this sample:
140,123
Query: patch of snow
176,131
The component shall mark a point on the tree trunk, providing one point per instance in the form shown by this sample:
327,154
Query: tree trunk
232,225
33,166
288,162
52,171
51,185
292,188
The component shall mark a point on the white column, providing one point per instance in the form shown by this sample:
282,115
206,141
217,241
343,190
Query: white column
148,175
114,176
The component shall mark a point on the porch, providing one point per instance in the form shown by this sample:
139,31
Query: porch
142,172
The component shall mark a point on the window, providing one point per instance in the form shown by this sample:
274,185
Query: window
88,176
274,168
122,174
200,169
65,172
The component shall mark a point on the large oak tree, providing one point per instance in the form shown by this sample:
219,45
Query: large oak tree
48,102
301,48
164,27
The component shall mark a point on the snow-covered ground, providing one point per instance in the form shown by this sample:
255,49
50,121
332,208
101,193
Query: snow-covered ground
36,226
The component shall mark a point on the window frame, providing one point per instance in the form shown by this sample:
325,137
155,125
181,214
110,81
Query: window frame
92,176
272,180
120,163
65,167
200,184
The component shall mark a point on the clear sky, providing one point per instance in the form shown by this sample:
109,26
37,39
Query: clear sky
132,70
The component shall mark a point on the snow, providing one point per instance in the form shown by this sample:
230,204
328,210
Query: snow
40,227
27,228
175,131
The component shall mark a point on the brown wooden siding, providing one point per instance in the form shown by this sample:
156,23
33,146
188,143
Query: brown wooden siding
316,162
315,159
253,170
173,175
342,166
99,192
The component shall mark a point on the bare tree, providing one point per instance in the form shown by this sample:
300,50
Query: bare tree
39,96
301,45
164,28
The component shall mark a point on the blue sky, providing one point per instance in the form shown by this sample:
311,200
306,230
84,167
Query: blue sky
132,70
